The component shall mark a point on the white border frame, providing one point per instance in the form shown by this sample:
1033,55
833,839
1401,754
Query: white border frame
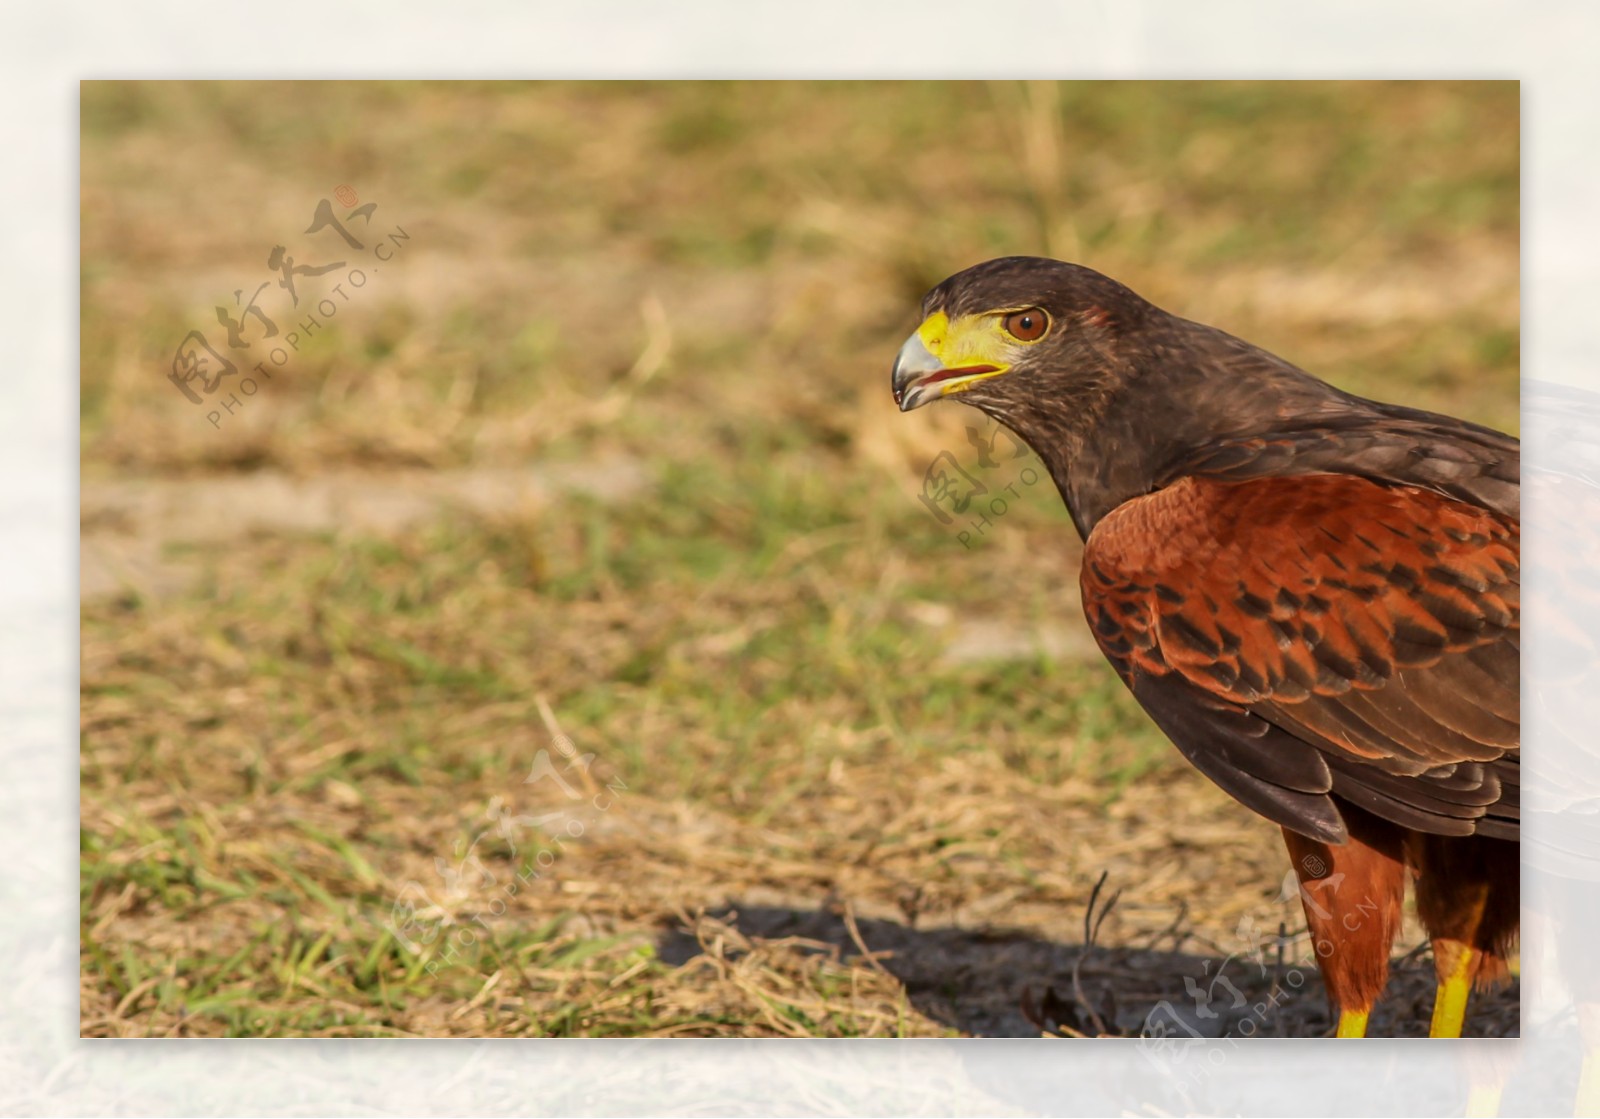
46,1069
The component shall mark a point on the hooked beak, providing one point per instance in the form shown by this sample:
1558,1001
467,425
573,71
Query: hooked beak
919,376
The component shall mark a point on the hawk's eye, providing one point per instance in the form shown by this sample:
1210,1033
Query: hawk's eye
1027,326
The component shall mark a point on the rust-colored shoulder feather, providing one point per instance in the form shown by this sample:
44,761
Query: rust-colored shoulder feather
1321,633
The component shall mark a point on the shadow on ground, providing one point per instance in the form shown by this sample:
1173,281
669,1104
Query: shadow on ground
1005,983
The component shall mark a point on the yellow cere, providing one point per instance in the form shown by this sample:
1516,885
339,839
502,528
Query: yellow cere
969,340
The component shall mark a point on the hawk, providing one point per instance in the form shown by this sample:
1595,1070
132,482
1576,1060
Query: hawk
1313,595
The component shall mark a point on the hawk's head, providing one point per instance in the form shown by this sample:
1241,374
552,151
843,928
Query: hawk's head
1014,329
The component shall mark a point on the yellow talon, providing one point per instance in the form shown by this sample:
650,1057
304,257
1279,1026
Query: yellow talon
1352,1023
1450,1003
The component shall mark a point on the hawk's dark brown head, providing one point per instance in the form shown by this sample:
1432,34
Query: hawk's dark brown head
1119,397
1018,327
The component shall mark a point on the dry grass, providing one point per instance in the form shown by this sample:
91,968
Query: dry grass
605,462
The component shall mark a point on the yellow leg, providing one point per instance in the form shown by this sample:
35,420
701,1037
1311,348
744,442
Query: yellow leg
1353,1023
1454,963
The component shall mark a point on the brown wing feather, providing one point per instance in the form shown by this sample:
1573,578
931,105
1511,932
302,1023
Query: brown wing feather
1376,625
1383,442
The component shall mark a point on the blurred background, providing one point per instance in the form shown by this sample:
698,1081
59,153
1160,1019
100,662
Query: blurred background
556,643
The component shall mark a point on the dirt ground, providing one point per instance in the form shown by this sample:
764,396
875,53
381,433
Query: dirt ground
556,644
